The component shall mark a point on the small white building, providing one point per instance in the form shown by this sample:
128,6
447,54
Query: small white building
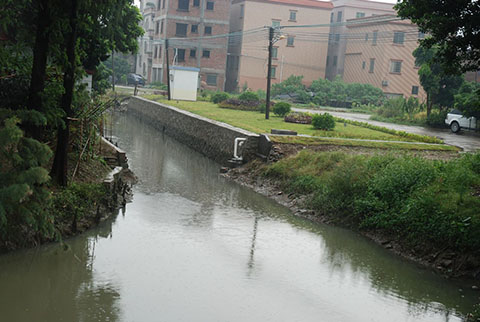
184,83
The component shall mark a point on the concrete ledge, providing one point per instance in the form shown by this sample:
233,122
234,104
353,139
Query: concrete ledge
120,154
211,138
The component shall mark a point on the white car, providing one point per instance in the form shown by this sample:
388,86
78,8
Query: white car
456,121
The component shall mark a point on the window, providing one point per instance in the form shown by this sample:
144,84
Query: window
145,47
209,5
330,37
206,53
366,36
193,53
371,69
212,79
155,52
157,27
395,66
208,30
274,52
293,15
275,23
331,17
194,29
339,16
398,37
183,5
328,60
364,64
161,27
421,35
180,54
163,4
337,37
159,51
335,58
375,35
242,10
196,3
414,90
139,60
181,30
290,41
360,15
273,71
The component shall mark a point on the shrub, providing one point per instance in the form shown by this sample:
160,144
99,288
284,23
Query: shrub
323,122
243,105
248,96
219,97
281,109
437,118
298,117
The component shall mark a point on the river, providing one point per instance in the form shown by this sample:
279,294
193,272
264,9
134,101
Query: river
193,246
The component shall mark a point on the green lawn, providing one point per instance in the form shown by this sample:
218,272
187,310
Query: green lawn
255,122
308,141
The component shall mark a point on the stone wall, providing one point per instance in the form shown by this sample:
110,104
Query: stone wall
211,138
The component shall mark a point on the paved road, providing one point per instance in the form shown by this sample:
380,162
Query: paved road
468,141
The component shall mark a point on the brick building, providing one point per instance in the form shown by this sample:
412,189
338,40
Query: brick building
344,10
379,52
182,22
295,54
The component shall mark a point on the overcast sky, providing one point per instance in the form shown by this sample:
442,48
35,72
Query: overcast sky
137,2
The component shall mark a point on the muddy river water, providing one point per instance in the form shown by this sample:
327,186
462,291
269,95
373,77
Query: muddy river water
193,246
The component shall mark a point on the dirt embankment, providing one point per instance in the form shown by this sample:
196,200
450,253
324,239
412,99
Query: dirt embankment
444,261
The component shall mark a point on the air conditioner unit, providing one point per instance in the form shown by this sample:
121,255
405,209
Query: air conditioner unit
384,82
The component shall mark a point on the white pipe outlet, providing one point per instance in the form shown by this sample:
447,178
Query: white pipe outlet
238,143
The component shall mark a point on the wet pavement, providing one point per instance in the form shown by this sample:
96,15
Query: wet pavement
467,140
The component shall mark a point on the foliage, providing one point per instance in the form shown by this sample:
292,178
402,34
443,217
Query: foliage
440,86
468,99
323,121
122,68
281,108
437,118
219,97
248,96
238,104
415,200
329,93
23,195
452,26
474,316
298,117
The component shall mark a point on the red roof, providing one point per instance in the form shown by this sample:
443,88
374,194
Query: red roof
303,3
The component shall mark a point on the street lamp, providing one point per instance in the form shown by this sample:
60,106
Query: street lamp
272,38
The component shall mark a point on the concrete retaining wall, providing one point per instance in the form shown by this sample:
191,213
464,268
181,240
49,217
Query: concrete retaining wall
211,138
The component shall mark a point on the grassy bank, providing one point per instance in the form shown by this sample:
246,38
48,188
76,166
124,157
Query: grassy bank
425,205
255,122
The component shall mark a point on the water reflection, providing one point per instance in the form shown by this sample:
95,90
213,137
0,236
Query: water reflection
195,247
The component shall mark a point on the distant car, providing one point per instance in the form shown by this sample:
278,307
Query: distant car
456,121
133,79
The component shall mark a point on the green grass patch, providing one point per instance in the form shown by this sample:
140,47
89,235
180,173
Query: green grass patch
312,141
255,122
414,200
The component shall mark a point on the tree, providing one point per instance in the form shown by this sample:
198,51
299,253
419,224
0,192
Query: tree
452,26
468,99
439,86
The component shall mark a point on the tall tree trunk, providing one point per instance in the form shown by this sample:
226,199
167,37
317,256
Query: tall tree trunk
39,67
429,104
60,162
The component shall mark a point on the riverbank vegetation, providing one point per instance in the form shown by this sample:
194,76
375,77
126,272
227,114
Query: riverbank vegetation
427,206
50,164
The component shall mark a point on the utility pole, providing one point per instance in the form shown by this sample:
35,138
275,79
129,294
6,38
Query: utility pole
269,72
113,71
168,69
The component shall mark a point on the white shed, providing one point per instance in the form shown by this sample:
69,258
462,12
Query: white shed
184,83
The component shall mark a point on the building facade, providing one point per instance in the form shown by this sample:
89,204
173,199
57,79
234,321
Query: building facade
191,28
380,53
295,52
337,42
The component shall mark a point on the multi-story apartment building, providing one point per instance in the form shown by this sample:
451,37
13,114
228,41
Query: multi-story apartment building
379,52
344,10
191,27
296,53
